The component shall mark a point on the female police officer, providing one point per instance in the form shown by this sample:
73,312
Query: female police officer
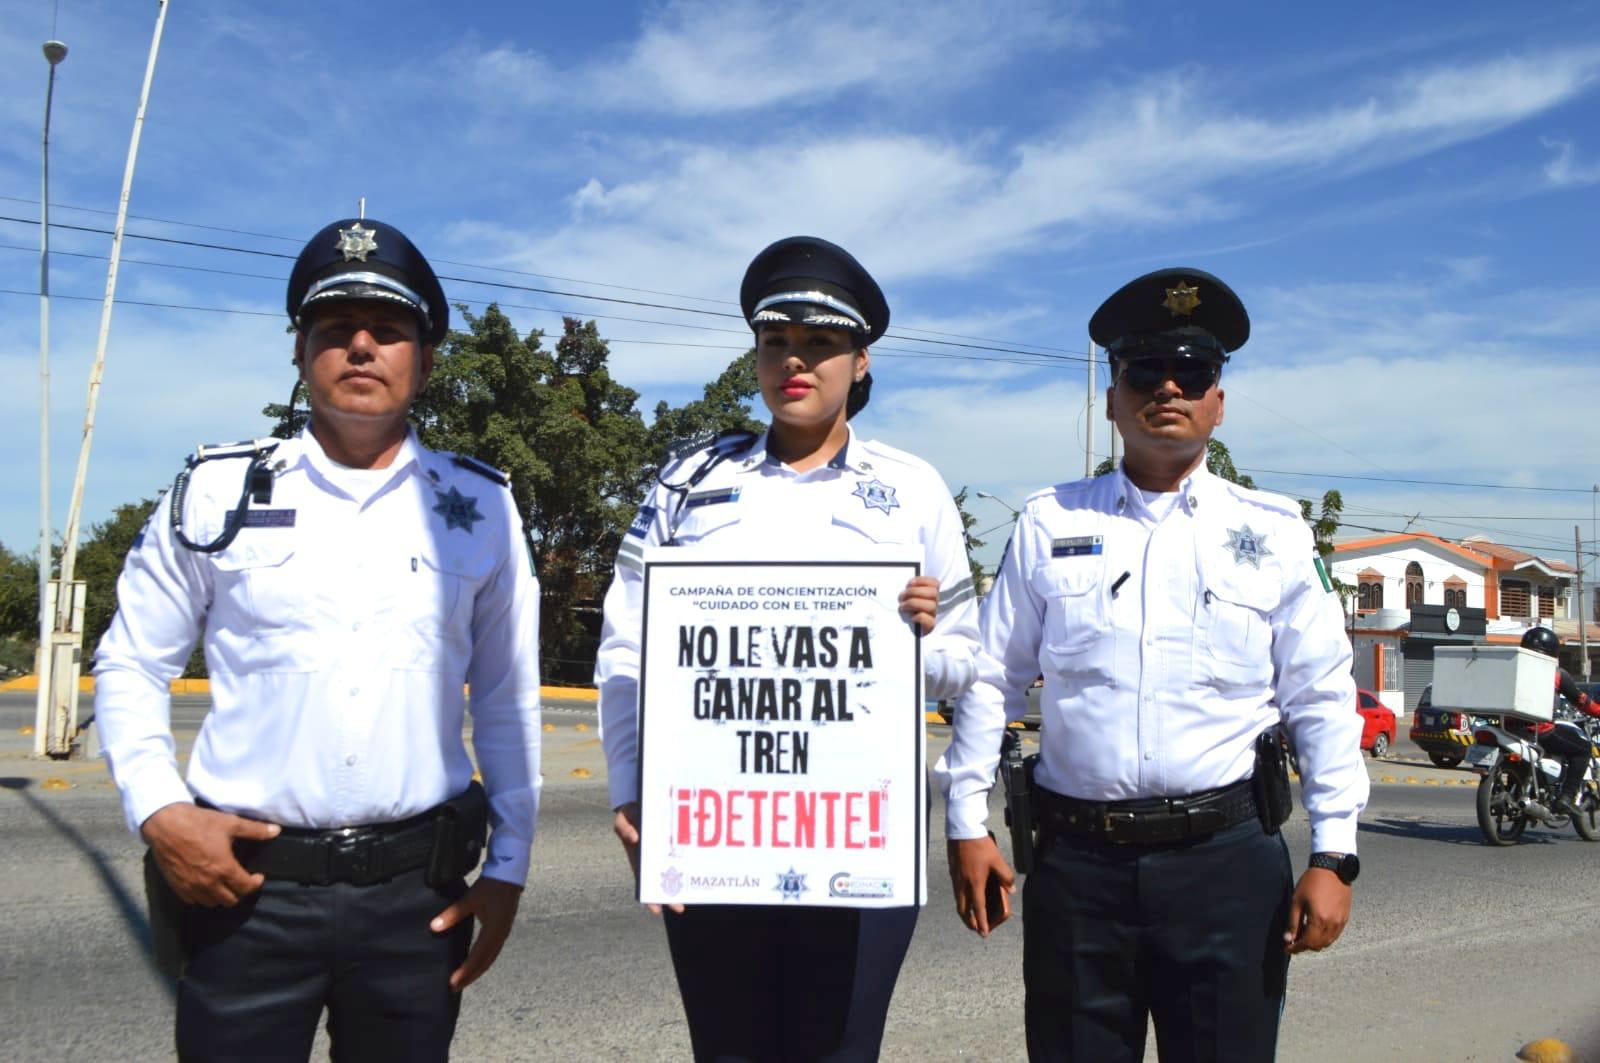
809,983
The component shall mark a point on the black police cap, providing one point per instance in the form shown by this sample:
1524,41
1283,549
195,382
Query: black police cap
1186,313
357,258
803,280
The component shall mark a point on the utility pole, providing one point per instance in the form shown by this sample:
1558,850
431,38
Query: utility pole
54,52
1583,632
68,635
1088,418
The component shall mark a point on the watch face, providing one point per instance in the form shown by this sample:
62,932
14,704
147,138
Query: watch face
1349,868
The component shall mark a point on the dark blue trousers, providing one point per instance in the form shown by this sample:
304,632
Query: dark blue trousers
1189,933
259,974
791,984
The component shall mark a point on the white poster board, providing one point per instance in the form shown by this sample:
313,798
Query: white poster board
781,736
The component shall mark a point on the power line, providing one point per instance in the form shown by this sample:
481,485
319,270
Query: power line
1431,483
1040,358
975,342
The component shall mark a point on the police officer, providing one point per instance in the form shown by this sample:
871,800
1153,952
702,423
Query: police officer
800,983
346,583
1175,617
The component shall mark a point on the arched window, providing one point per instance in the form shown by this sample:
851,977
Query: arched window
1455,593
1413,584
1369,593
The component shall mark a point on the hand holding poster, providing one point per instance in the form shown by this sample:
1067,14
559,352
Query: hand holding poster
781,731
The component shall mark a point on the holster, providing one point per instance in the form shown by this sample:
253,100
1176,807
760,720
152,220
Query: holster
1016,773
1270,783
167,946
460,829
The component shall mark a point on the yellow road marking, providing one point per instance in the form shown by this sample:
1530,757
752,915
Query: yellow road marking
54,783
580,773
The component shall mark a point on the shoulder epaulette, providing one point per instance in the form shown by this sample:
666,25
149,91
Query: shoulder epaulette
482,468
727,443
243,449
1266,499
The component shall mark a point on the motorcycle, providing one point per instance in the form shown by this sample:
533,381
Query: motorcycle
1520,779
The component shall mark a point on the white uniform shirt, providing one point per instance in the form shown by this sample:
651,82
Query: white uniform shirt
338,634
1166,645
868,493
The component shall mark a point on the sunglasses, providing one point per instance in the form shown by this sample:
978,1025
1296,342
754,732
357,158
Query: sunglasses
1192,376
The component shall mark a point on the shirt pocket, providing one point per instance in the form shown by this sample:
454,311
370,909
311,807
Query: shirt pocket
699,523
430,612
262,611
1236,615
1075,618
881,530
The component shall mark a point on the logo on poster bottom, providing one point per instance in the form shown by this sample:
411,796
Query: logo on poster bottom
671,881
845,884
791,884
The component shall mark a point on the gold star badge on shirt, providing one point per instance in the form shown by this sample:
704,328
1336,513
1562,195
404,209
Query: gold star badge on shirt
357,242
1182,299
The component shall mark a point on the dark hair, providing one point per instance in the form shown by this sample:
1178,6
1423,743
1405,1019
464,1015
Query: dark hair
860,393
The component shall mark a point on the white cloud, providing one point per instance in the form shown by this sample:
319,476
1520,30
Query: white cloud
693,57
1563,170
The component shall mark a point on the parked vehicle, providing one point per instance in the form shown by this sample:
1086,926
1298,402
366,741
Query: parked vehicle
1444,734
1377,723
1519,786
1031,717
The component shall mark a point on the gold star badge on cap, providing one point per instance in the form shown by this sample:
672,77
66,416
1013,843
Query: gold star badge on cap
1182,299
357,242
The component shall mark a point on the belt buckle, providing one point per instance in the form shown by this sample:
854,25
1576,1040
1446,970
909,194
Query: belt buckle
349,850
1114,825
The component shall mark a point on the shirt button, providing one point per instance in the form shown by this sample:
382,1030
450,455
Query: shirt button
351,759
1149,756
356,626
354,691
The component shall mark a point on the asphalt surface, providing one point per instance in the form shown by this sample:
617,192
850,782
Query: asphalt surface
1456,951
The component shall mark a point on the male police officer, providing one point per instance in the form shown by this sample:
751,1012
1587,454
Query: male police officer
1175,618
348,582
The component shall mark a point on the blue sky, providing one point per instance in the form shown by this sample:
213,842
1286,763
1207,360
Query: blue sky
1403,195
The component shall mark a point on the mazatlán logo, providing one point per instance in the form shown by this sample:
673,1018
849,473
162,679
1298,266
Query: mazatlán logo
671,881
846,885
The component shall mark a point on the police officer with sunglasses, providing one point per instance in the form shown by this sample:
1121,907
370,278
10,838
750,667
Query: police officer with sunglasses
1178,620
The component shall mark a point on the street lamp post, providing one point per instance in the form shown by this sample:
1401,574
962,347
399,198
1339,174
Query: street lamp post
54,52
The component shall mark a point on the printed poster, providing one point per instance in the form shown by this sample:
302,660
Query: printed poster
781,731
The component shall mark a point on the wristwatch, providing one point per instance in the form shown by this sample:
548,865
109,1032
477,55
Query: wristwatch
1346,865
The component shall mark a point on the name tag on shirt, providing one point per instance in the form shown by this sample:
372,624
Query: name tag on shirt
712,498
269,518
1077,546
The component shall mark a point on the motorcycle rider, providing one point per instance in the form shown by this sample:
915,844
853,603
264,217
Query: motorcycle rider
1563,738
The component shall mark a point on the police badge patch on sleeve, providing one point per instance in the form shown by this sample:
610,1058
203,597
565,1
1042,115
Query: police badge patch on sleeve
641,521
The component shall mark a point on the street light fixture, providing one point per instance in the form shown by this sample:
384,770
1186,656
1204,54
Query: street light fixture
54,52
1015,512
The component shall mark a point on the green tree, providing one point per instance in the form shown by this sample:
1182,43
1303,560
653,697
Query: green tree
99,564
972,543
19,596
724,405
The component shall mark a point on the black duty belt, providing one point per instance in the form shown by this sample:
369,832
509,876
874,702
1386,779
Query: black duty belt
1149,821
361,856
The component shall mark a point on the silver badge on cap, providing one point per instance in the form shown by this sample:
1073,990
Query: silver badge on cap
357,242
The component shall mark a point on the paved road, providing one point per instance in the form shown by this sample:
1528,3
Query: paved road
1457,951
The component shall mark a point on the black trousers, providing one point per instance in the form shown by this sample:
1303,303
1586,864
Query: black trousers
1189,933
259,974
1568,742
774,983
